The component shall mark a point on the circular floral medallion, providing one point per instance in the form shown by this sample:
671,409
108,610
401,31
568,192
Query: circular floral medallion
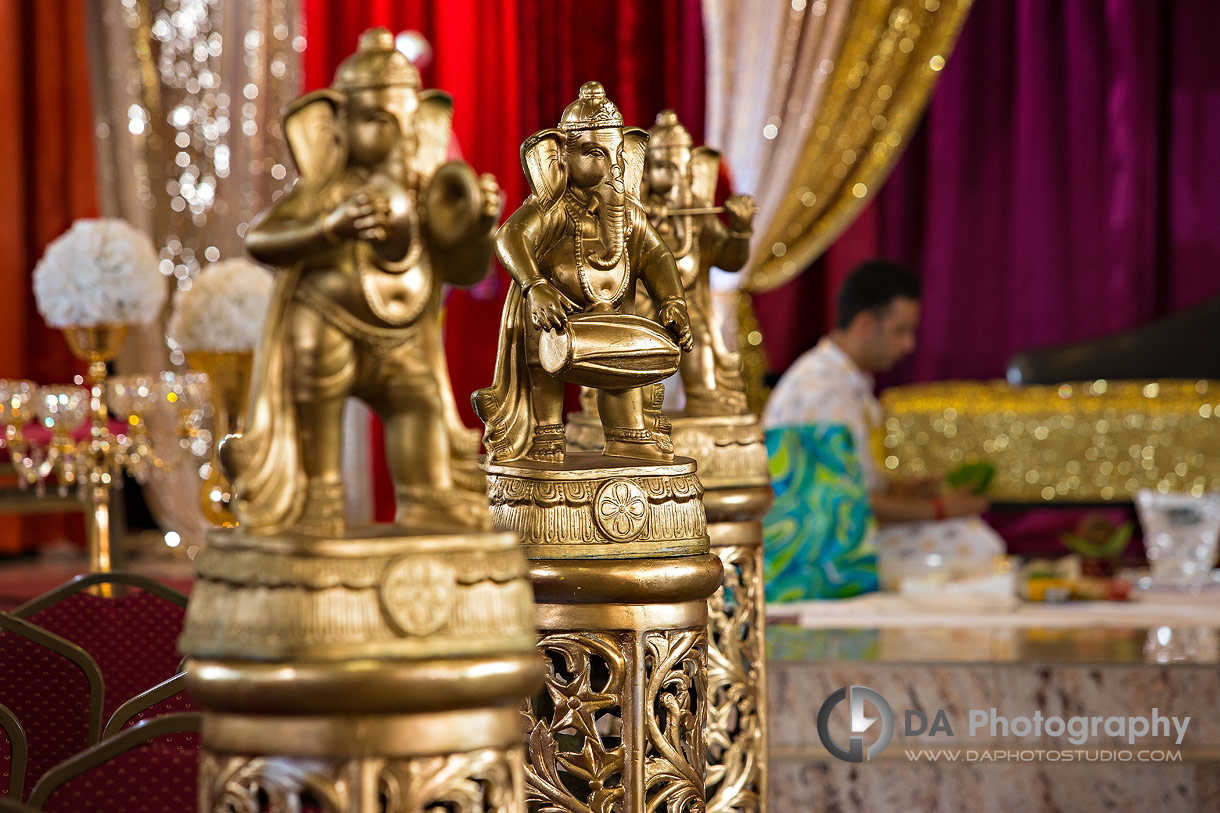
620,509
418,593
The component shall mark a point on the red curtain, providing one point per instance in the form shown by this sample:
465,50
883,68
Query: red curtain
512,66
46,149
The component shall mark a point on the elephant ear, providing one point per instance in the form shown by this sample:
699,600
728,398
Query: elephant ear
315,142
635,142
541,157
704,172
433,132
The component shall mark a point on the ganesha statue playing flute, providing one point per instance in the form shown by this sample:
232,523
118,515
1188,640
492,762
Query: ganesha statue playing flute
576,249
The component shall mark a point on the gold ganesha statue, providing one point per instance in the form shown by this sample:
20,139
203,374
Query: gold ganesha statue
376,224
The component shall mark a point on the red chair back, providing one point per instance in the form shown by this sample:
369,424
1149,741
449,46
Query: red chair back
13,753
133,637
53,688
170,697
152,766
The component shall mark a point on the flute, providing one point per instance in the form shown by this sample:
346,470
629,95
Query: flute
698,210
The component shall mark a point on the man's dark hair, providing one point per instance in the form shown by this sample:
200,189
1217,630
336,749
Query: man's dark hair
872,286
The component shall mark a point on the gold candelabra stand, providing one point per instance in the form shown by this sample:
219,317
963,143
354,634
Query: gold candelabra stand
229,376
83,451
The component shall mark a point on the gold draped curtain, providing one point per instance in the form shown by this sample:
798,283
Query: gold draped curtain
187,98
812,102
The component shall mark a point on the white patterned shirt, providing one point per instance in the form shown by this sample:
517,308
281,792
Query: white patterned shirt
824,386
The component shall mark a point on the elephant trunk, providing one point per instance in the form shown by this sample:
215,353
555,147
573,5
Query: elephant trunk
611,197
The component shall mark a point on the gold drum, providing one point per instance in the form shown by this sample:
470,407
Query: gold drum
609,351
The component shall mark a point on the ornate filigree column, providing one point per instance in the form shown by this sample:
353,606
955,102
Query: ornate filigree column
621,577
715,430
737,492
378,672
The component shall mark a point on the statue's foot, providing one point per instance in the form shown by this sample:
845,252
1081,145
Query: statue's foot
325,510
644,444
714,403
423,506
548,444
662,430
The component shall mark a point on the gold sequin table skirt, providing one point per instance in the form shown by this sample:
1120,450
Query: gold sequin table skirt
1093,441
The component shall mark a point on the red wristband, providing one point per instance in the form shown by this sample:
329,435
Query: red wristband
938,507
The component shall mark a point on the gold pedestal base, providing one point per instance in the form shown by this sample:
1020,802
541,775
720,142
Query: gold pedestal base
621,575
732,457
379,672
737,676
468,778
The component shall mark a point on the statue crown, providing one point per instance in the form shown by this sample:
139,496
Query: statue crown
591,111
376,64
668,132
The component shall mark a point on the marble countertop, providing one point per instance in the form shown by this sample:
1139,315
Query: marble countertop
1155,627
788,642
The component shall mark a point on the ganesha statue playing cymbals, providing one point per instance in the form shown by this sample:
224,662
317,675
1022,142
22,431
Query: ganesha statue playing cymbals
376,224
373,665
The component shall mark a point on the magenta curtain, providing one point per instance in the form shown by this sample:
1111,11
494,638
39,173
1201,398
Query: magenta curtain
1063,185
1066,181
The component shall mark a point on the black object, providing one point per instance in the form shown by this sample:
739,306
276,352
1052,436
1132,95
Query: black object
1185,344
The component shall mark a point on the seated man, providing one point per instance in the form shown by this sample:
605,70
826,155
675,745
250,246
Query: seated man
825,402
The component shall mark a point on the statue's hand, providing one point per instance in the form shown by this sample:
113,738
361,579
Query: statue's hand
549,308
365,215
740,211
673,315
656,212
493,199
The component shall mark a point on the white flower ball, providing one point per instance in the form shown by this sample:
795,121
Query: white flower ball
224,309
100,271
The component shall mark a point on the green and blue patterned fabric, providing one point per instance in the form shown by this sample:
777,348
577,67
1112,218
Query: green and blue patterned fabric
819,535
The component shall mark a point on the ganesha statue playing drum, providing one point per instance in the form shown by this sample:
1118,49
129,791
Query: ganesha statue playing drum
576,250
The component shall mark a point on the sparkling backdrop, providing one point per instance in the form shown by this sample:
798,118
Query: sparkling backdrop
187,96
1094,441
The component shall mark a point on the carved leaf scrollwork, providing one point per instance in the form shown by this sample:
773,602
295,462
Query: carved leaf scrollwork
675,667
575,742
735,730
244,784
483,781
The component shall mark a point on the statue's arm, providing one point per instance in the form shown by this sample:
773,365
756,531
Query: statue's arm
657,268
288,231
727,251
517,244
659,272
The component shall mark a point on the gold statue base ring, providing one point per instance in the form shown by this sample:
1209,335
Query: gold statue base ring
732,456
381,671
598,507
